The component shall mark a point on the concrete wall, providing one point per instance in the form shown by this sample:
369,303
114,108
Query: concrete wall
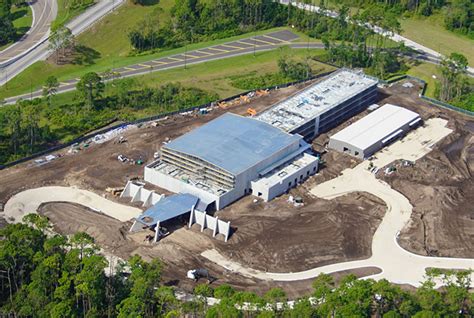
270,191
138,193
177,186
209,222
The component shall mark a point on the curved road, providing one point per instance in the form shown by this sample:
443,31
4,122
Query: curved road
397,264
41,51
44,12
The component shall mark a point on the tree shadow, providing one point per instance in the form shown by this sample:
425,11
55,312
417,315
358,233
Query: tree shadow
18,14
148,2
84,55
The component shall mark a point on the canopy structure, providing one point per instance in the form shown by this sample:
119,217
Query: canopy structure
168,208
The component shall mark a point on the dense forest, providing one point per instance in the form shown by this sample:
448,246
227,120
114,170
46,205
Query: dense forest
49,275
30,126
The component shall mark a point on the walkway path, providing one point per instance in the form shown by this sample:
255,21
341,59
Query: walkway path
397,264
29,201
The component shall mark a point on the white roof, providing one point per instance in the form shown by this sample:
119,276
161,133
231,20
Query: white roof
316,99
376,126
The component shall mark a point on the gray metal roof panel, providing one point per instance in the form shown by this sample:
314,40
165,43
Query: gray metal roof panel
233,143
168,208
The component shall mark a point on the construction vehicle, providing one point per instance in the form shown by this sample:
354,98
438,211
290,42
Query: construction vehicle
196,274
121,140
251,112
114,191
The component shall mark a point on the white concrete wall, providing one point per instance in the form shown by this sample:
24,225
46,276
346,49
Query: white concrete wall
270,191
209,222
177,186
138,193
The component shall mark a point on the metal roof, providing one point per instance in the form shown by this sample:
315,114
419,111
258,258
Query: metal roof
376,126
233,143
168,208
317,99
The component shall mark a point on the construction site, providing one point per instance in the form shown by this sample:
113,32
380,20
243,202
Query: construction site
243,189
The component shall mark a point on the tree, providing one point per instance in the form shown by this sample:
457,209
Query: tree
90,87
50,88
61,39
453,79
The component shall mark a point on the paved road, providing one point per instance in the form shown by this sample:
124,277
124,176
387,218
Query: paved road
44,12
397,264
77,25
244,46
430,54
259,43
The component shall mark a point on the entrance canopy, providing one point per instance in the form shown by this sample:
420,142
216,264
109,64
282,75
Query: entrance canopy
168,208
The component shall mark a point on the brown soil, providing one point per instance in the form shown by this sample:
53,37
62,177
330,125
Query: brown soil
268,236
440,187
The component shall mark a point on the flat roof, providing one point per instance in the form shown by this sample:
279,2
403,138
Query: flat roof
232,142
168,208
376,126
277,175
317,99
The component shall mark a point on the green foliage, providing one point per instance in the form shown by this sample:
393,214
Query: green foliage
31,126
459,17
53,276
90,87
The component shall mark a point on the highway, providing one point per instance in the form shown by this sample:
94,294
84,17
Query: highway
245,46
41,51
44,12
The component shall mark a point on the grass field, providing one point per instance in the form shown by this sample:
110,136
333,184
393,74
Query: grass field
65,14
35,75
215,76
22,20
425,71
431,33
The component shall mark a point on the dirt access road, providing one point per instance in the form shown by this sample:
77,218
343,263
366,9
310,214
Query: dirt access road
325,231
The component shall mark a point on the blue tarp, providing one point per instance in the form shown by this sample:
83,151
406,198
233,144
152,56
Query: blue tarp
168,208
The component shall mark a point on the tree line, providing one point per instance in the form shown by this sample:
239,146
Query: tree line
8,33
30,126
457,15
43,274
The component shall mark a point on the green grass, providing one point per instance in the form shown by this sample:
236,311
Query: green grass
23,18
36,74
65,14
425,71
431,33
215,76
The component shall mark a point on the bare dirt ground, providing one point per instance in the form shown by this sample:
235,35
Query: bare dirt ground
268,236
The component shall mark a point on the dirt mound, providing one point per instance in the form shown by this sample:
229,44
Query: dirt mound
278,237
109,233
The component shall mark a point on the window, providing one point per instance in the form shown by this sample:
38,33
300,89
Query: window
289,184
356,153
301,177
307,173
260,194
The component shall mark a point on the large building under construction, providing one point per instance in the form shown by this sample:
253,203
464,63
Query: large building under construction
232,156
218,161
324,105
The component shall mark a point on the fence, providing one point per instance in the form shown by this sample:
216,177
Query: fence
147,119
428,99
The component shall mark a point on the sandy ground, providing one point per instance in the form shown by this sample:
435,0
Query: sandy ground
386,252
342,228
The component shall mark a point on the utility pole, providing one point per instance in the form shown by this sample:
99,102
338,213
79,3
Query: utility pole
185,50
